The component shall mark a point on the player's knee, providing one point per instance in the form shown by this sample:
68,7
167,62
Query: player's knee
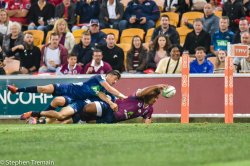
58,101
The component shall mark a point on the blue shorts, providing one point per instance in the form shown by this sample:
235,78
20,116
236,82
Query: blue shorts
73,92
107,114
76,118
78,105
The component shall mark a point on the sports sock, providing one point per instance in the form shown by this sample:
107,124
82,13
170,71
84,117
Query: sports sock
31,89
35,114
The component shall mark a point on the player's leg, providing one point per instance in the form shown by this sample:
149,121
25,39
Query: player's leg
48,89
65,113
59,101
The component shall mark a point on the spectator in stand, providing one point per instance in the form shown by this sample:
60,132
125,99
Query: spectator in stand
137,56
198,37
210,21
97,36
18,10
172,64
245,40
84,50
245,64
30,56
13,42
71,67
234,10
66,38
86,10
166,29
201,64
53,55
140,14
220,62
5,22
113,54
111,13
158,51
97,65
221,37
243,27
39,14
66,10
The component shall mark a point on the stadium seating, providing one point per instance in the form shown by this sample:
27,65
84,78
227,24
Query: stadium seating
38,36
149,35
174,18
191,16
47,37
218,13
125,47
114,31
78,35
183,31
128,34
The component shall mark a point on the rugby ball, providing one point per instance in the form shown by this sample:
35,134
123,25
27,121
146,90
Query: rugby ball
168,92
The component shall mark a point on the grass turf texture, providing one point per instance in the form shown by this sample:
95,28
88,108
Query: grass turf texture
128,144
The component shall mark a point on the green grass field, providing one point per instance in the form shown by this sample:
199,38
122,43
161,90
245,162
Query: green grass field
128,144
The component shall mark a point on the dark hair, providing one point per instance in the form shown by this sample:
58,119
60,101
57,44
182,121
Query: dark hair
97,50
71,55
54,34
114,72
165,15
175,46
155,45
200,48
152,94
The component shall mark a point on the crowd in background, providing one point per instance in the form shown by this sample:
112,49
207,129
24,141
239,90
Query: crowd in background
60,54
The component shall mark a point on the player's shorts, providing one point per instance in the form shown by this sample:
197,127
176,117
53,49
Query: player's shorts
73,93
76,118
78,105
60,90
107,114
104,112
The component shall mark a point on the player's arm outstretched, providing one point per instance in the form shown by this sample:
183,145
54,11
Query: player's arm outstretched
113,91
147,90
105,98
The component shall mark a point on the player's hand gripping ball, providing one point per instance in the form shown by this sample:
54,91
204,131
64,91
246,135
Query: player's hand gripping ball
168,92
